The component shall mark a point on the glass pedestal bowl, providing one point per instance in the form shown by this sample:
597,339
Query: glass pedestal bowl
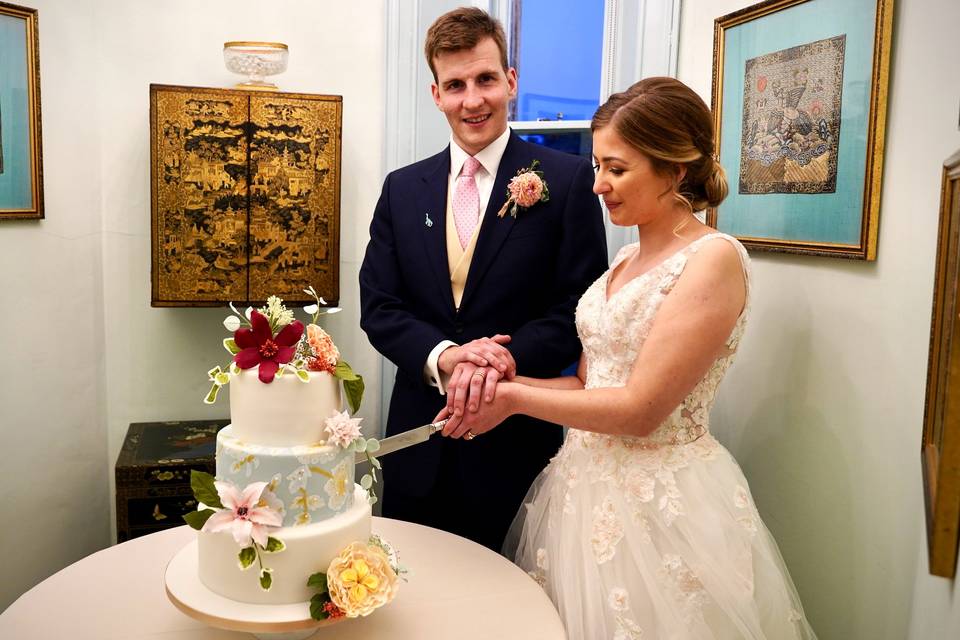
255,60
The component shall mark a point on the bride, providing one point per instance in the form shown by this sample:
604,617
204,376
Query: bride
642,526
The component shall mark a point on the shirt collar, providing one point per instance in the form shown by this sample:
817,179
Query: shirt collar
489,157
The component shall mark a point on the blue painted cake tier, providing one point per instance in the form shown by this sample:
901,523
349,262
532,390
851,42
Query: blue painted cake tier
312,482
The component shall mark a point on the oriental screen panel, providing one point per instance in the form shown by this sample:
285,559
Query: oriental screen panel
294,196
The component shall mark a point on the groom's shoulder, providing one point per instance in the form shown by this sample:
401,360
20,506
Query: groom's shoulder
419,169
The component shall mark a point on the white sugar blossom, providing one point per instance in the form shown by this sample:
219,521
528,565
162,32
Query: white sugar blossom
231,323
342,429
278,314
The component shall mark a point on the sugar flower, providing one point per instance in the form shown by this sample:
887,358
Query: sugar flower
361,579
324,354
258,346
244,515
342,429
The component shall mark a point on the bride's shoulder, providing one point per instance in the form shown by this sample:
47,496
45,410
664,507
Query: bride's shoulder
716,246
717,256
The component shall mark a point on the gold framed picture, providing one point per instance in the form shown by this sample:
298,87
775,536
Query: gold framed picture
21,174
940,448
799,103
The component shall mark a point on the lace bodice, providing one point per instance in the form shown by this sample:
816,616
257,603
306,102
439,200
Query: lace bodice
613,331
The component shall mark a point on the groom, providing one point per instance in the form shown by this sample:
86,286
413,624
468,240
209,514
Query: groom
443,274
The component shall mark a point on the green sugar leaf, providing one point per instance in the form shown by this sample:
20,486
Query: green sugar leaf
366,481
203,488
196,519
318,581
246,556
266,579
344,371
354,392
274,545
231,345
303,375
212,395
222,378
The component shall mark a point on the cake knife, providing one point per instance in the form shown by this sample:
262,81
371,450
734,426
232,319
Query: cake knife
402,440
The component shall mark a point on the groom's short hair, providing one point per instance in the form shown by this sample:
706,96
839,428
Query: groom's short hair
463,29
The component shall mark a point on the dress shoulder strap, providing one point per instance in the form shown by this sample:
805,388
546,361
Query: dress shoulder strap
741,251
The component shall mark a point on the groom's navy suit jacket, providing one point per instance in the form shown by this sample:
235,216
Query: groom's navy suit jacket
525,278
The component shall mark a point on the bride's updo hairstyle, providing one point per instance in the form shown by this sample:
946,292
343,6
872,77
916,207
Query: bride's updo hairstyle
668,122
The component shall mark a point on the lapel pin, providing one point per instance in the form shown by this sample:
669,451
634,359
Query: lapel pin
428,221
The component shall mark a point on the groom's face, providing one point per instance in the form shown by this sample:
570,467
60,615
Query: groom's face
473,90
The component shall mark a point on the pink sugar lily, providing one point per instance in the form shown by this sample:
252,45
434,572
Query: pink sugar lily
242,515
258,346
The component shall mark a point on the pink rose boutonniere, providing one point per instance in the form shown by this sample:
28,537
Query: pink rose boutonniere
525,189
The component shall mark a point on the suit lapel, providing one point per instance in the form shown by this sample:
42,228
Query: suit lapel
494,230
432,208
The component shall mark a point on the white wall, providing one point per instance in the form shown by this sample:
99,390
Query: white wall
52,398
79,300
824,407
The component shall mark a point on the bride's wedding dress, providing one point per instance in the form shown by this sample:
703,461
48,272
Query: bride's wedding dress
654,537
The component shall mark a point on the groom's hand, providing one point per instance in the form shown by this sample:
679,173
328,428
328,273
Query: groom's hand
482,352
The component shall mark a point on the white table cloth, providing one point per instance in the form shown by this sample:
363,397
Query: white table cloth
456,589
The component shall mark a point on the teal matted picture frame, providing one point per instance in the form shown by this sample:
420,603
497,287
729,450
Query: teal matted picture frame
21,172
799,102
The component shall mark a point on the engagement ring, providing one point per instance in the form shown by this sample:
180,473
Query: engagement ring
469,435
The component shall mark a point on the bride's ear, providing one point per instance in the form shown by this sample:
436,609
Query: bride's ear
681,173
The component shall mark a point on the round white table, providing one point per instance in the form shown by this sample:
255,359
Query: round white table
455,589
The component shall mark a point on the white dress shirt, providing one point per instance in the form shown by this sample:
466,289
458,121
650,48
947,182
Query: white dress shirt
489,159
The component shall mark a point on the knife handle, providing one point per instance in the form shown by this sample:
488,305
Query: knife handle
437,426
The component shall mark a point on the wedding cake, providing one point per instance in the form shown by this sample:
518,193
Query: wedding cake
283,521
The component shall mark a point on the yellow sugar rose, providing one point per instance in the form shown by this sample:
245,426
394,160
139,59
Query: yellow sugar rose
361,579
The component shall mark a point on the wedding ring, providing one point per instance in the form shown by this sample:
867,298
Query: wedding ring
479,374
469,435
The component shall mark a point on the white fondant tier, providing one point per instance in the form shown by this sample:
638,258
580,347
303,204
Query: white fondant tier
314,482
309,549
284,413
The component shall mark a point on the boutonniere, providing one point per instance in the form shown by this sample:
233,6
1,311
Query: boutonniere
525,189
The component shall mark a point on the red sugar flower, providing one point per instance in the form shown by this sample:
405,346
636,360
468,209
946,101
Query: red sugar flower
258,346
332,610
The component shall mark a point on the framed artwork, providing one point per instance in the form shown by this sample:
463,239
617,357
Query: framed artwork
21,174
799,103
940,448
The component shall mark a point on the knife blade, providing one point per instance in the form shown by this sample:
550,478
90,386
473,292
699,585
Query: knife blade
402,440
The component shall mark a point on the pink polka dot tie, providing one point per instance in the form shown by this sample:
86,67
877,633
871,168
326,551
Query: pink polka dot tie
466,201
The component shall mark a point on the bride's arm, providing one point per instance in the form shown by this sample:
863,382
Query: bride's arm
563,382
688,334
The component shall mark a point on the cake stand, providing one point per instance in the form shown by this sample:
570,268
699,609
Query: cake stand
267,622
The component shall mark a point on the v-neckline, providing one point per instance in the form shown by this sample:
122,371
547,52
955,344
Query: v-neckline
607,296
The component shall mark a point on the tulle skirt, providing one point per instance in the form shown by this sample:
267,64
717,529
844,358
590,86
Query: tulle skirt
655,543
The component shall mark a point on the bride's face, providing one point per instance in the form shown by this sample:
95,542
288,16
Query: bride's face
631,188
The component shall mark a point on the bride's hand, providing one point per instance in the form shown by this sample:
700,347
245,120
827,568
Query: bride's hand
489,415
468,385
